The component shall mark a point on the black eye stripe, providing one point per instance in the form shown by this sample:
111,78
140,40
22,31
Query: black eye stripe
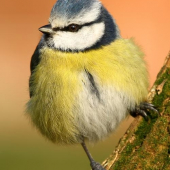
80,26
66,28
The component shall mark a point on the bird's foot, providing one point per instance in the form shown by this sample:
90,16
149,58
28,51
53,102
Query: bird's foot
96,166
142,110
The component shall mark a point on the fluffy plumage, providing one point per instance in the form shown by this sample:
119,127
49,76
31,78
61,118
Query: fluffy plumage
64,104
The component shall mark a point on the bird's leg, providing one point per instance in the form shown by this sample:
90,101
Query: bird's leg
141,110
94,165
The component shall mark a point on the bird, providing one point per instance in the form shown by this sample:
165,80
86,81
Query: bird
85,78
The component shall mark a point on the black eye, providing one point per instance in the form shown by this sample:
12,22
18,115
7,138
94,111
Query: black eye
56,29
73,27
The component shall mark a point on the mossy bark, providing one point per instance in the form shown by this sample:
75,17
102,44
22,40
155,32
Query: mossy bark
146,144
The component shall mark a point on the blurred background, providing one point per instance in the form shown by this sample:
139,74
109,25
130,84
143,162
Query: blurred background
21,146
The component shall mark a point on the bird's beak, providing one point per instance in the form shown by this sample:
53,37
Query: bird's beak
46,29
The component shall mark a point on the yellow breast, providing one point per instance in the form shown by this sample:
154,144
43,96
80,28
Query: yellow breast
57,81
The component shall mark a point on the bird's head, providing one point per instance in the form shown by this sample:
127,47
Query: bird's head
79,25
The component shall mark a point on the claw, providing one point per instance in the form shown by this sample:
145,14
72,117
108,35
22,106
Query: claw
141,110
143,114
149,106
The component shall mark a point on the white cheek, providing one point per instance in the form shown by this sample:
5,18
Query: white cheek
84,38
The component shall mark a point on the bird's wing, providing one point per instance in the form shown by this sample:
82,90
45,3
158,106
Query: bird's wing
34,62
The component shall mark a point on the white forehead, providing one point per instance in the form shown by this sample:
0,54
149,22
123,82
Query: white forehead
66,12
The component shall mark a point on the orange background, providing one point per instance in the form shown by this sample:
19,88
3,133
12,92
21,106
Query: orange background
21,146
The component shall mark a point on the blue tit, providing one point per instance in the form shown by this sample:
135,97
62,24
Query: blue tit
85,78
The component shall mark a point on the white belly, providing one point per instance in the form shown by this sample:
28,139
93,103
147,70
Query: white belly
99,112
